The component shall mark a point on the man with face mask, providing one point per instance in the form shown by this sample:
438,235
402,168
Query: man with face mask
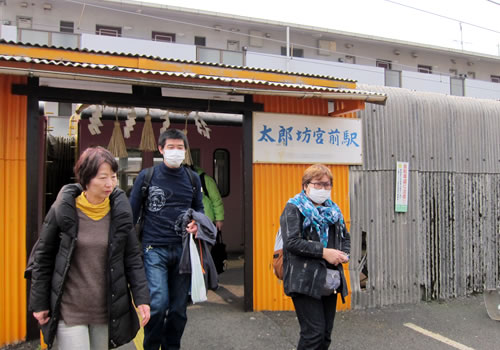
170,193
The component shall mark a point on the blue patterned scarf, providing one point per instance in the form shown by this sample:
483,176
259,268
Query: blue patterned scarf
319,217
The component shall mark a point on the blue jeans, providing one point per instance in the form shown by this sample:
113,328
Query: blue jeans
169,292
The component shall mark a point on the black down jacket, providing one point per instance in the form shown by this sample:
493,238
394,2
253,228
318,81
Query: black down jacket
125,271
304,269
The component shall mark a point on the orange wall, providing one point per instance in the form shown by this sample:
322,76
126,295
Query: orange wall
273,185
12,212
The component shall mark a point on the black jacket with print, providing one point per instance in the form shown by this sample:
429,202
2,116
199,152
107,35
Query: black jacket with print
304,269
124,265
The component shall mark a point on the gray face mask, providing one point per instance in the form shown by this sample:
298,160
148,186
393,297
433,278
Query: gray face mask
319,196
174,157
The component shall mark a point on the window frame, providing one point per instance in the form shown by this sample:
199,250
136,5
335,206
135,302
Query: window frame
214,173
423,68
100,27
197,37
232,42
155,33
66,27
294,52
381,63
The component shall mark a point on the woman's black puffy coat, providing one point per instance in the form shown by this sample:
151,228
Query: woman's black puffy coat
124,265
304,269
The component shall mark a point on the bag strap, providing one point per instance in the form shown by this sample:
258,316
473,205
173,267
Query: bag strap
145,184
201,256
218,237
204,185
191,179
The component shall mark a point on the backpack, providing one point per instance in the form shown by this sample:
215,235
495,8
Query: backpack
144,196
278,255
204,185
139,226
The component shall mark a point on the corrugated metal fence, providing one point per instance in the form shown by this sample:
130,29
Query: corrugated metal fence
447,244
12,212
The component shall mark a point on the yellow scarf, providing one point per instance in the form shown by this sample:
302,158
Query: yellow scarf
94,211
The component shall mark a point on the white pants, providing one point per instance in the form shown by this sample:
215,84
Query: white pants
82,337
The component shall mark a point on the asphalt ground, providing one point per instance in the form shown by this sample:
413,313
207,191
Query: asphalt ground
221,324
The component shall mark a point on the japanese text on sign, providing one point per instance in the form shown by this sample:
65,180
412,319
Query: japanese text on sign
402,177
283,138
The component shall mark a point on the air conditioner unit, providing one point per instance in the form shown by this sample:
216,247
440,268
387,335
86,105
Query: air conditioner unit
326,47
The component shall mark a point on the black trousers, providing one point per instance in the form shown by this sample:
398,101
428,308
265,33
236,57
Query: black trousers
316,318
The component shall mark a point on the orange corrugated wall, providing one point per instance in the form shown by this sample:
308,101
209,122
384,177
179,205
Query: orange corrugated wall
273,185
12,212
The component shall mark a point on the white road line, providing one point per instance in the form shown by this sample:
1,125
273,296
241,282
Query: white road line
437,337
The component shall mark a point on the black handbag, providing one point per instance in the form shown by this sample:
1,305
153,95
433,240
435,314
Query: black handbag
219,254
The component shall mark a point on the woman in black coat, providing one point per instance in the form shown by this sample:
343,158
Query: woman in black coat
87,261
315,245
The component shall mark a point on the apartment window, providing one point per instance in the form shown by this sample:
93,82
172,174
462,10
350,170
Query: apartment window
392,78
424,69
200,41
495,78
471,75
221,170
66,27
453,72
23,22
384,64
233,45
293,52
350,59
195,156
164,37
108,30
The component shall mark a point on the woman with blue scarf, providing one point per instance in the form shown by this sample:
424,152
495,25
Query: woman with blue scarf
315,245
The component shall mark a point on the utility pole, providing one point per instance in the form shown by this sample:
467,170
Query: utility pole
461,36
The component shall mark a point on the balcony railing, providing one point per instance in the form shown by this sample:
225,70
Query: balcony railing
364,74
235,58
57,39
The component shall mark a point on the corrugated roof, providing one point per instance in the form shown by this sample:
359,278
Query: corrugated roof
313,90
176,60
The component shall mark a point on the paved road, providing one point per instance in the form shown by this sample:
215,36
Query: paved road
221,324
462,324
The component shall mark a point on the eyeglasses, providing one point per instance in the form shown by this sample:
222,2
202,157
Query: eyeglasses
320,185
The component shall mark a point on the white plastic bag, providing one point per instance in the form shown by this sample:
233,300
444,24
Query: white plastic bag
198,289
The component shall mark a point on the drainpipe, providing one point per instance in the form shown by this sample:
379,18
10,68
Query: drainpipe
287,48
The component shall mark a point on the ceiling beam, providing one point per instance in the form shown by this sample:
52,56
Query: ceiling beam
52,94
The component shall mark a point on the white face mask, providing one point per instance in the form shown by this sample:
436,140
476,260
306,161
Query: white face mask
174,157
319,196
